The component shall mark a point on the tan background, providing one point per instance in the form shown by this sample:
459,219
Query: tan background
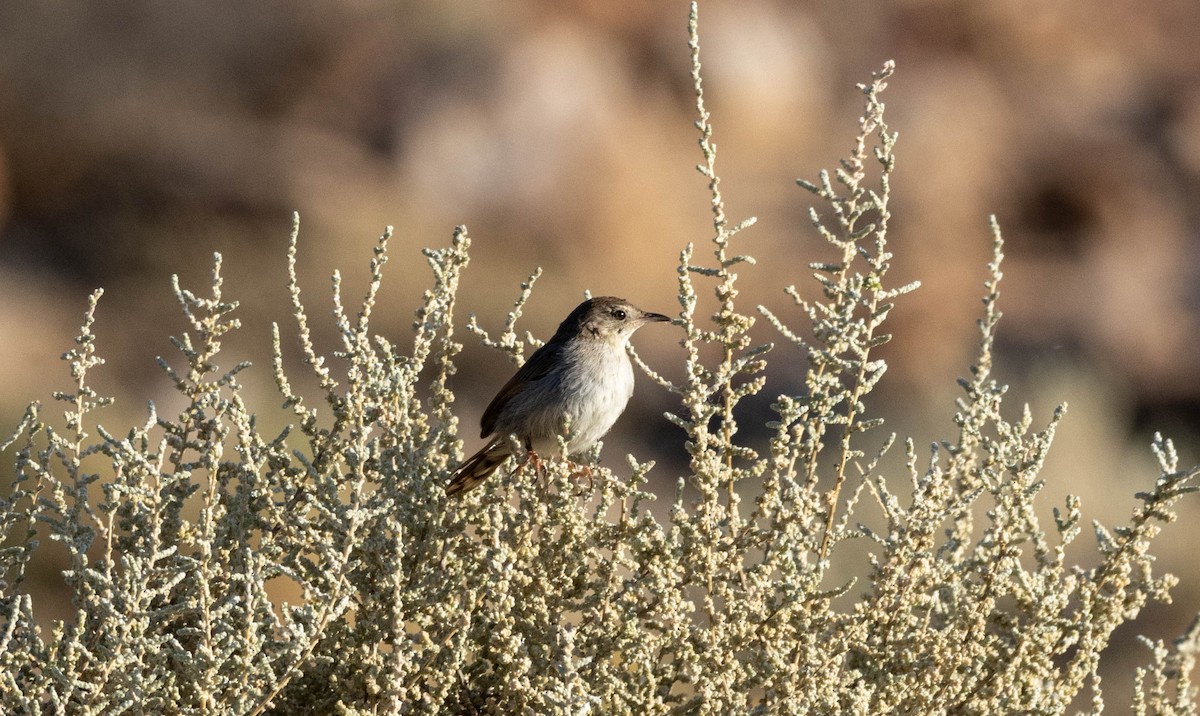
137,138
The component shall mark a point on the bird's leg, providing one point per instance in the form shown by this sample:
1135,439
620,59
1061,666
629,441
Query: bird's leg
532,457
534,461
538,466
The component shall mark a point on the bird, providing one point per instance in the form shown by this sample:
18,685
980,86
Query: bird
575,386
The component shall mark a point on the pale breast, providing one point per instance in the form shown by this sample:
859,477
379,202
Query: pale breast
601,396
588,390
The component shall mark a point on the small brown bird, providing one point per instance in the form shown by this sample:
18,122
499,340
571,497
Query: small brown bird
577,385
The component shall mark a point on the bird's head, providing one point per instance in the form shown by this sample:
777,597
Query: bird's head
607,318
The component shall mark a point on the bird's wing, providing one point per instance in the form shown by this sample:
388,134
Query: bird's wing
538,365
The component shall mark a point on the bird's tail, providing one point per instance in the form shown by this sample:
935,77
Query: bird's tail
478,467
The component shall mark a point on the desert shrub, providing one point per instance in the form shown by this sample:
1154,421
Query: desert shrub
544,593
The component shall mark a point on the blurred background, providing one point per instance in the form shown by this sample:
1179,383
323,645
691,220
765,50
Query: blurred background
137,138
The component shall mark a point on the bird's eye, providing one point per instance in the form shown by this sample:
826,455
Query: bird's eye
619,314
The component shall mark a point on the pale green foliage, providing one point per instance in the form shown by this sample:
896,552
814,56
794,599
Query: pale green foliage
548,593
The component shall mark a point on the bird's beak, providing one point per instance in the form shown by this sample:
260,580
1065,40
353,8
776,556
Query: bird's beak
655,317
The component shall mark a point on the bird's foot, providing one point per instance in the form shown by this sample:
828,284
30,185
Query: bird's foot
587,471
538,465
535,462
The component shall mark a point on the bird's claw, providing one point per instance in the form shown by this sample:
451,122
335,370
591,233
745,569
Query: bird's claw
535,462
589,473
